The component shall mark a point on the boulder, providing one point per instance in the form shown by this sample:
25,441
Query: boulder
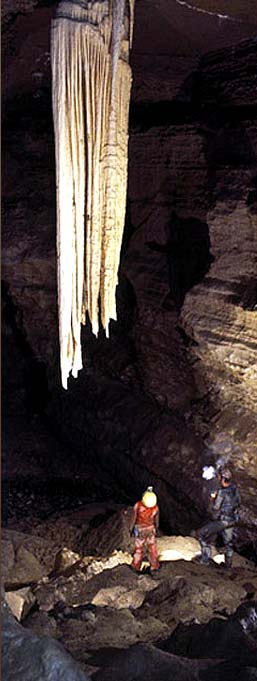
187,592
108,628
26,656
65,531
8,558
81,583
177,548
64,559
20,602
41,624
30,559
143,661
233,638
111,534
26,569
119,597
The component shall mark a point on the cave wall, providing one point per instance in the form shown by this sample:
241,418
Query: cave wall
176,384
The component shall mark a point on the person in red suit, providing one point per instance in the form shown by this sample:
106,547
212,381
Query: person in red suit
144,523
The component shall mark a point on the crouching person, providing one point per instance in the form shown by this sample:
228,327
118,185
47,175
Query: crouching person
144,523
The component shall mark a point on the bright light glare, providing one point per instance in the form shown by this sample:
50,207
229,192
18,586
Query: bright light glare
172,554
219,558
209,472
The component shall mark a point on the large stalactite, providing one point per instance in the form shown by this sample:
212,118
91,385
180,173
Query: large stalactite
91,83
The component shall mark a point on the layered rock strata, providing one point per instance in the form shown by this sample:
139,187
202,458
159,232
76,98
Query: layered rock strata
175,386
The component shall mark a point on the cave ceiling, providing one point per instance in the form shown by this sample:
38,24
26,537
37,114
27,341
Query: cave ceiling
191,28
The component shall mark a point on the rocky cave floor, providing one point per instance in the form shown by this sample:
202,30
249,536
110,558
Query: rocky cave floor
67,578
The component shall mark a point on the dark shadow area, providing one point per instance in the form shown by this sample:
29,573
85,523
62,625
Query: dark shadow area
25,381
245,294
227,639
188,254
146,115
252,198
18,112
36,388
232,147
44,498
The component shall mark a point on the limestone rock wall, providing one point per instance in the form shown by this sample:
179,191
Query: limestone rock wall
175,386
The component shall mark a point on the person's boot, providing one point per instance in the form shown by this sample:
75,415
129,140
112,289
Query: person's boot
154,572
135,567
205,554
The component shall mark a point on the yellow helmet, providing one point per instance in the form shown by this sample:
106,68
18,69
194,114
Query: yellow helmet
149,498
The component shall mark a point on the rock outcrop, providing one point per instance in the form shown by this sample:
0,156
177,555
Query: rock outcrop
97,606
26,656
105,614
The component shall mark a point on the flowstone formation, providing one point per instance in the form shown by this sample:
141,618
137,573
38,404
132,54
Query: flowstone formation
91,83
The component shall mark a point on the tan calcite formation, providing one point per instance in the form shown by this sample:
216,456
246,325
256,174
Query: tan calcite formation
91,82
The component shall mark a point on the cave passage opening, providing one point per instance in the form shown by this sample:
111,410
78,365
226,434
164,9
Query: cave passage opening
188,251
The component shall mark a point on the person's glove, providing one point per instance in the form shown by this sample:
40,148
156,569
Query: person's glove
213,495
134,532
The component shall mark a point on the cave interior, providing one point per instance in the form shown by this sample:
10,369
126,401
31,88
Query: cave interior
174,387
